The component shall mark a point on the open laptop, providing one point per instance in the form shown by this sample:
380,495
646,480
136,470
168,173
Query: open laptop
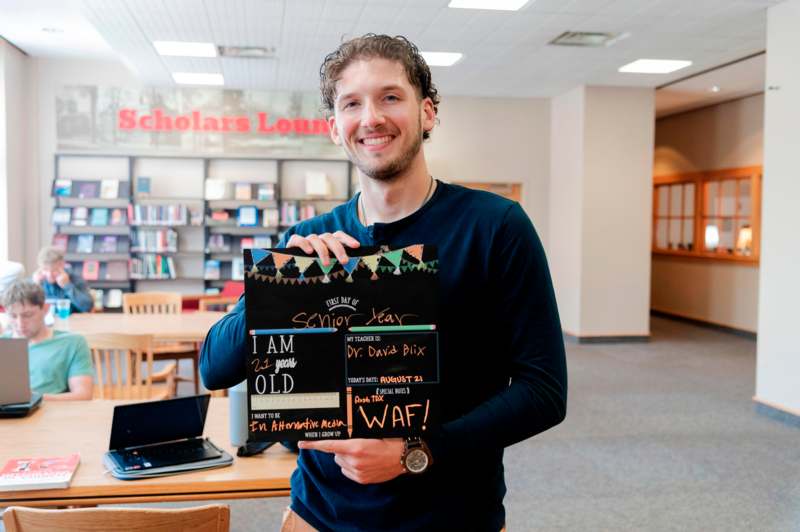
164,436
16,398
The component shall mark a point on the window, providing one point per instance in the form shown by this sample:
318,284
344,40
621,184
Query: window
708,214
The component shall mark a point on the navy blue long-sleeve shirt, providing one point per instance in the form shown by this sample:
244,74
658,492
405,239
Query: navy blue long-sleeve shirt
502,363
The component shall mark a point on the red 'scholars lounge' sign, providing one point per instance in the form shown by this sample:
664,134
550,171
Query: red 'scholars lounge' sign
132,120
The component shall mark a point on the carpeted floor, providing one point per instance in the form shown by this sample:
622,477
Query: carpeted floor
658,436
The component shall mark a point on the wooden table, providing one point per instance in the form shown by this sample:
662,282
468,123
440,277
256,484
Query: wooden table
184,327
60,428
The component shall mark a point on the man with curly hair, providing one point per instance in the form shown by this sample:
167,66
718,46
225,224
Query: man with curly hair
503,370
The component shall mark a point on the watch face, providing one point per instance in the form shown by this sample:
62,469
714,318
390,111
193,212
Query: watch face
417,461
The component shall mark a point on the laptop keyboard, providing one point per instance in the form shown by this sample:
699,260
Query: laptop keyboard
167,454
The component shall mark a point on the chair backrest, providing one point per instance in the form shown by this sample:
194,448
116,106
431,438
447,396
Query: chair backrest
216,303
123,364
152,303
210,518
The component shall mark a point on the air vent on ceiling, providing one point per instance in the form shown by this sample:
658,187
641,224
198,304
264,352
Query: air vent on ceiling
250,52
585,38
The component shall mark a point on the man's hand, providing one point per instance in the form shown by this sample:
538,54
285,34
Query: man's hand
363,461
62,278
38,276
325,243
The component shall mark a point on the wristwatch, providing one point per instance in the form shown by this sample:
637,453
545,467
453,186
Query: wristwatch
416,457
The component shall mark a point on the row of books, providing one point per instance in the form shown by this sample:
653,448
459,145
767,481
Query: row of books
165,215
244,216
155,240
82,216
219,243
153,267
217,189
94,270
213,270
293,212
90,244
99,188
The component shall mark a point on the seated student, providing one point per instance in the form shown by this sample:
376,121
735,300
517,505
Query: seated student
60,363
60,283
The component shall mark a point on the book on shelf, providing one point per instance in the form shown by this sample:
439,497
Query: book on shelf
112,298
218,243
38,473
196,213
88,189
262,241
216,189
243,191
61,242
247,216
142,186
108,244
270,217
80,216
247,243
85,244
212,270
97,297
266,191
99,216
317,184
109,189
116,271
118,217
62,215
237,269
220,215
62,188
91,270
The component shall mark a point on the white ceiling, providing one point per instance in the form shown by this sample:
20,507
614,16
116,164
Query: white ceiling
505,53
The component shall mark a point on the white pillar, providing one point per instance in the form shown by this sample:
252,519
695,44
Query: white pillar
601,210
778,364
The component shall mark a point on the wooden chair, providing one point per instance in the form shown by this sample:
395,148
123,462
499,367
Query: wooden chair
124,368
220,303
164,303
210,518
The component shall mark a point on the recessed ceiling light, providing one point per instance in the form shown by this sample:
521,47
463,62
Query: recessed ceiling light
497,5
441,58
185,49
654,66
197,78
714,88
52,30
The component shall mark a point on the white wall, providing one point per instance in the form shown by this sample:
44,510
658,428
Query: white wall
17,203
728,135
47,75
600,189
566,204
496,140
617,211
778,364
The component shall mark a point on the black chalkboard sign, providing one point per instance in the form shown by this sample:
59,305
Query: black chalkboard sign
342,350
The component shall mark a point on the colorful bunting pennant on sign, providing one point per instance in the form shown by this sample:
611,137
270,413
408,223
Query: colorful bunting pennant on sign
394,257
349,267
326,269
415,251
259,255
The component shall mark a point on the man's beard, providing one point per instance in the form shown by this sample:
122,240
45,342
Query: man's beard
390,170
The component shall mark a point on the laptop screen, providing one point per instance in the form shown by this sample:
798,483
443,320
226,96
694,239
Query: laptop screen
14,379
158,421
